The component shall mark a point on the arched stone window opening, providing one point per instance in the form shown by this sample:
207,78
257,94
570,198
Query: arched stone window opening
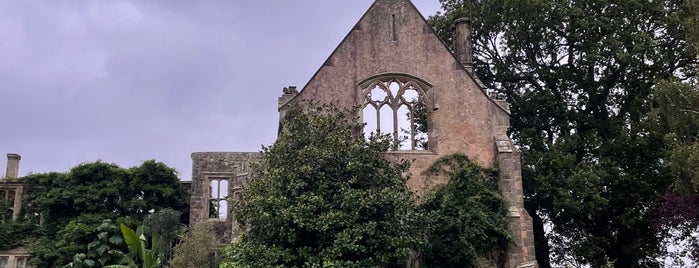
396,107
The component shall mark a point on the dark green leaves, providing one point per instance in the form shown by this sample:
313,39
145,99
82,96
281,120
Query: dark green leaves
78,201
465,218
579,76
323,196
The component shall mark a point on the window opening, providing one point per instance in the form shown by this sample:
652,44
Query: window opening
23,262
4,260
394,31
218,203
7,203
11,197
397,108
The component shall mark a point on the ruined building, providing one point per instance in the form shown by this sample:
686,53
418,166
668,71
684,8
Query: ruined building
11,191
394,65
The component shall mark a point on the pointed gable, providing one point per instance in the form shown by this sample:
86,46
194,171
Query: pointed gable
392,60
392,39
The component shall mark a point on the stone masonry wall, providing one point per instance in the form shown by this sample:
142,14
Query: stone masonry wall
235,167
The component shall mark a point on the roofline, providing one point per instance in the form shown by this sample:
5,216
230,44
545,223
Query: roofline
330,56
472,76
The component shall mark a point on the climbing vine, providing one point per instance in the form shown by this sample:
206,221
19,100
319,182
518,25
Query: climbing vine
465,224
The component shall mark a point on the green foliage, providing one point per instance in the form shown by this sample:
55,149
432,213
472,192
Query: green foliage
59,248
5,211
579,76
139,255
691,23
465,218
675,116
107,237
79,201
23,230
196,249
15,234
155,186
102,188
323,196
80,260
419,128
166,225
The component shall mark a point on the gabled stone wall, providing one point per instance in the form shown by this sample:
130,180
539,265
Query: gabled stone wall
393,41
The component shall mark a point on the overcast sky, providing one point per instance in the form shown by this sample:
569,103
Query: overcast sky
128,81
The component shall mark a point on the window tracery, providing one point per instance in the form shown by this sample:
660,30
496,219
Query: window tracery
397,107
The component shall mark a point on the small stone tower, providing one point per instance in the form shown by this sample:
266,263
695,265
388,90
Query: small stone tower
12,170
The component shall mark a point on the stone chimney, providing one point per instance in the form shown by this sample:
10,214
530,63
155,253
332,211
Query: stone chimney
462,43
288,93
12,165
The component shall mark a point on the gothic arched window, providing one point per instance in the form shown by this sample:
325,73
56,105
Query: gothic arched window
397,106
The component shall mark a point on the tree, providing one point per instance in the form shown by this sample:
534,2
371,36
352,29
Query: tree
465,218
692,23
579,76
196,249
153,186
167,226
73,204
676,116
323,196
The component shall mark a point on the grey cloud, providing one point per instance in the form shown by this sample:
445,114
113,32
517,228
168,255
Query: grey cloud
127,81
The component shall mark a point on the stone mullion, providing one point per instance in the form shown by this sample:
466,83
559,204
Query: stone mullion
411,109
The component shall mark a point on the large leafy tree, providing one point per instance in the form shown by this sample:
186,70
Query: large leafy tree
323,196
106,189
73,204
675,115
197,248
579,76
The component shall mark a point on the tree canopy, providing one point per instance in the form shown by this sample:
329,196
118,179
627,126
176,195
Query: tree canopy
580,77
73,205
323,196
676,117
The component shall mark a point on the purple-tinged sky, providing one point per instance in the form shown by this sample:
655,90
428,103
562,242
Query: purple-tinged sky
128,81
